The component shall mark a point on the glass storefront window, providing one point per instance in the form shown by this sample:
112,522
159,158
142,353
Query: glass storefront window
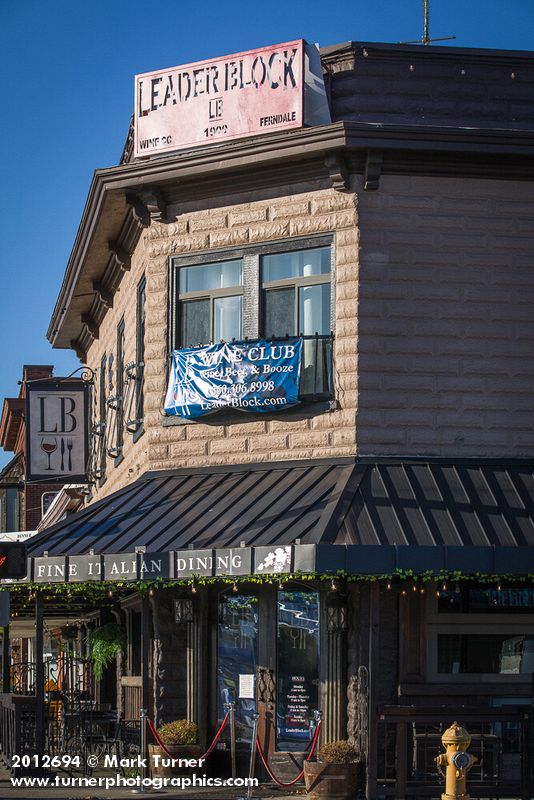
298,668
486,600
497,654
237,656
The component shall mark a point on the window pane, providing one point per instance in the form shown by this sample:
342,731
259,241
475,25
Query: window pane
485,653
12,509
486,600
204,277
298,668
297,264
314,309
195,322
228,318
279,306
237,655
316,372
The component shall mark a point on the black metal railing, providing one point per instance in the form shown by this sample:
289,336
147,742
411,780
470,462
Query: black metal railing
316,374
17,726
409,739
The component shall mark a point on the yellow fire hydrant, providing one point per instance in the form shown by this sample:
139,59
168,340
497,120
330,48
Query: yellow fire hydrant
456,761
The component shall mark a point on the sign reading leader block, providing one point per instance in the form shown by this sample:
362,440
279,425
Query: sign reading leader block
244,94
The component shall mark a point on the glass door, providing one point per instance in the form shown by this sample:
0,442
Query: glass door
297,685
237,658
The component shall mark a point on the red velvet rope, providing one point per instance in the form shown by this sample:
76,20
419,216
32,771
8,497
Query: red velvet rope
299,776
208,752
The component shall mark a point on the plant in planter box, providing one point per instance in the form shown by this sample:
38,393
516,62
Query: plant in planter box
334,776
180,740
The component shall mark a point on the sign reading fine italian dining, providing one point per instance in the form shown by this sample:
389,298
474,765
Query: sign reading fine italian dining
248,376
258,91
56,430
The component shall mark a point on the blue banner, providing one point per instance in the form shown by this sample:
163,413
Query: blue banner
248,376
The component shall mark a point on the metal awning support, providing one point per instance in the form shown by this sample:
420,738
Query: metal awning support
6,664
145,653
374,671
39,677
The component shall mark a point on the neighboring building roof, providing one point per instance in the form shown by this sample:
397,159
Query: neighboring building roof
12,472
392,503
67,500
12,431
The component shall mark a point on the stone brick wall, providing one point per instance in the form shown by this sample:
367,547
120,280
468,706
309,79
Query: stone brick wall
446,318
433,318
208,226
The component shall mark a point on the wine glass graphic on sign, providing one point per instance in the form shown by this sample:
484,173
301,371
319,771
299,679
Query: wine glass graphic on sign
49,447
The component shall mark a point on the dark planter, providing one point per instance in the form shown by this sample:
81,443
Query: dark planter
188,751
331,781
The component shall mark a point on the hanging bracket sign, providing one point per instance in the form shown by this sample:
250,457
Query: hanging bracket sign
56,430
258,91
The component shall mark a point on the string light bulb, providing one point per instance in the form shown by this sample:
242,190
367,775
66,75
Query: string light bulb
389,586
110,593
151,592
235,588
333,586
193,588
444,586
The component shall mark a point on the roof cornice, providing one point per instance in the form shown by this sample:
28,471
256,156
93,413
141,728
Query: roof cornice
123,199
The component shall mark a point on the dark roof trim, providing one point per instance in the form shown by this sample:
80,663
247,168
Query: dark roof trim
435,52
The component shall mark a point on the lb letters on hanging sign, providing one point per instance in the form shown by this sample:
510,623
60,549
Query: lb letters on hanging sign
259,376
57,431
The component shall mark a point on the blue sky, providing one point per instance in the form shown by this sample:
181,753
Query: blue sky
67,95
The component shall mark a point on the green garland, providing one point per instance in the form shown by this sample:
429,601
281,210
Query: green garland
99,590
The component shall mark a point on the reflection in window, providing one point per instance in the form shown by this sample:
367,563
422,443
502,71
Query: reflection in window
500,654
211,302
12,508
296,300
486,599
298,668
237,655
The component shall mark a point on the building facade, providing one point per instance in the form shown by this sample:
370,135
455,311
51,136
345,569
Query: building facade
397,240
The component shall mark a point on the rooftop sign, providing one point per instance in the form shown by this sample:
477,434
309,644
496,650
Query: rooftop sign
244,94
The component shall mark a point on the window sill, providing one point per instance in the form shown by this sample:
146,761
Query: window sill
303,410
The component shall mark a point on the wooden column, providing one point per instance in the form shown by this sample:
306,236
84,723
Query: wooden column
39,677
6,665
374,667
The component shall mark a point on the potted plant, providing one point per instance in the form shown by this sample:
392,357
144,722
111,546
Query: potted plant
180,740
334,776
106,643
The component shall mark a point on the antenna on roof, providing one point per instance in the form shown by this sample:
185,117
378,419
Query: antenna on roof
426,30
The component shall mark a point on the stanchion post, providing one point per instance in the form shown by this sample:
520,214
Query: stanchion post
231,710
255,718
142,721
